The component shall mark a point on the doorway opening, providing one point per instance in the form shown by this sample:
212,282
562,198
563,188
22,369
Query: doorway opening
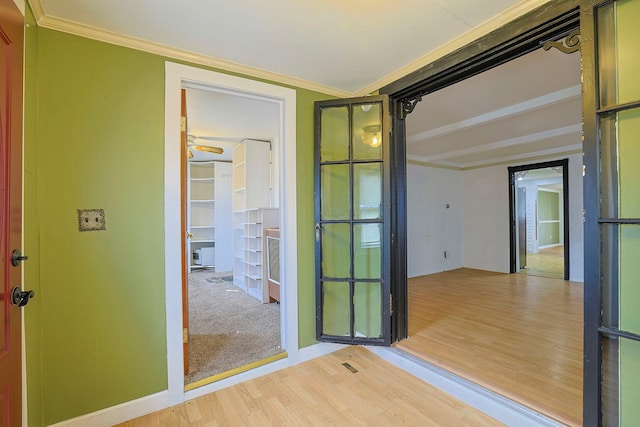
539,218
466,312
231,322
283,171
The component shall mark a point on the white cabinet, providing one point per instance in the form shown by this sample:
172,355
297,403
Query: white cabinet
208,210
252,212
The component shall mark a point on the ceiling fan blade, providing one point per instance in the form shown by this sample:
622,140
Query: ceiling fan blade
214,150
208,138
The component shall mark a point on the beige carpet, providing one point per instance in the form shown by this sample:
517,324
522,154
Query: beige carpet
227,327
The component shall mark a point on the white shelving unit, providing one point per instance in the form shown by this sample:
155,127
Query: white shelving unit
206,215
251,208
256,220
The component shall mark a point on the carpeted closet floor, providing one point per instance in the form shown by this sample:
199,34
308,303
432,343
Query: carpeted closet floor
227,327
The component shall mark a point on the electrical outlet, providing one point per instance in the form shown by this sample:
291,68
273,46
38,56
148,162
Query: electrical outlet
91,220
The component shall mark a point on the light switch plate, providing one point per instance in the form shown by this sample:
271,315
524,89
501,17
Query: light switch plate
91,220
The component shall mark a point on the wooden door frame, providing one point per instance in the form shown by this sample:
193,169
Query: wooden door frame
564,164
12,372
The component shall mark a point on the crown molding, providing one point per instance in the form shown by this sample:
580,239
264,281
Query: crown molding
93,33
473,34
20,5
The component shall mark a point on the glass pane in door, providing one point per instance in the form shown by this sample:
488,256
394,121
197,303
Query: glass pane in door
367,191
335,192
336,250
367,131
367,254
629,287
367,302
336,309
629,382
334,134
628,170
628,60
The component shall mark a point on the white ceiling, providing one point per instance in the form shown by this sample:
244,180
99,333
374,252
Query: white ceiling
223,120
528,107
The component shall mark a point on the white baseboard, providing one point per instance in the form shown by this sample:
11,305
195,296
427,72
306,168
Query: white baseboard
156,402
492,404
317,350
303,355
120,413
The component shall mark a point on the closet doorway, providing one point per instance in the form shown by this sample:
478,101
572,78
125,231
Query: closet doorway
231,323
242,96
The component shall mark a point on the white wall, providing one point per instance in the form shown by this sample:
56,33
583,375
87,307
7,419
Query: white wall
432,228
486,218
475,229
576,223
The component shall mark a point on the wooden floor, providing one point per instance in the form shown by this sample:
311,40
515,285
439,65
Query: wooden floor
518,335
548,262
323,392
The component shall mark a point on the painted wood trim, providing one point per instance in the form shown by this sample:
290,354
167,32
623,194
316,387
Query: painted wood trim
498,21
93,33
489,49
177,76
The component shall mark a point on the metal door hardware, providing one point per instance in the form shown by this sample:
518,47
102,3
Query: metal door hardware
17,258
20,297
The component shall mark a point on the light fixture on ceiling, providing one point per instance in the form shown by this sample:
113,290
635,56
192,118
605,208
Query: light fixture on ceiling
371,136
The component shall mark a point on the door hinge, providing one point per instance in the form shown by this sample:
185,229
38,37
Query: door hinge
390,304
185,335
183,124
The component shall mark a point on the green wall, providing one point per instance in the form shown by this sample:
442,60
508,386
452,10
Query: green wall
94,138
548,210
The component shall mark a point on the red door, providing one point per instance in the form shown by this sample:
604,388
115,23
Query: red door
11,53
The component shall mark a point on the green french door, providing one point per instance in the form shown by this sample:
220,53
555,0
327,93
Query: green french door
352,221
611,42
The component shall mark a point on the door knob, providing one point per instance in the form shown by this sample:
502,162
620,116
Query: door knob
20,297
17,258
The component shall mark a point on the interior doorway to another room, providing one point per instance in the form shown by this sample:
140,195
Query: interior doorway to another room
462,141
231,322
539,206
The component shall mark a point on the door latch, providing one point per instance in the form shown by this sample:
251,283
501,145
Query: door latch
20,297
318,228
